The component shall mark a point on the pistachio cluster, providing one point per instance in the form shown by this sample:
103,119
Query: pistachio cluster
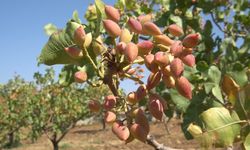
163,55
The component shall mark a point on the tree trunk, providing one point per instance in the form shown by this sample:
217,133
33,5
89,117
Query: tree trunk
103,123
55,145
11,138
54,141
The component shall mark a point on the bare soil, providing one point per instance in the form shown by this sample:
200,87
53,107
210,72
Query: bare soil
92,137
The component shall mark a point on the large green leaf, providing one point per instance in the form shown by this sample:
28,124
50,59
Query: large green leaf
221,126
53,52
247,142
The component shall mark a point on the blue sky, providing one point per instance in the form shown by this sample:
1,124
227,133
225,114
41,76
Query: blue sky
22,34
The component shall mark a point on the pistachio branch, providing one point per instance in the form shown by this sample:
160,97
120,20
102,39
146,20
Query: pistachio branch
94,84
133,78
137,61
108,80
224,31
86,54
157,146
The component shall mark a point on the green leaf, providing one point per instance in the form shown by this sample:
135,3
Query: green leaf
100,9
181,102
196,107
50,29
202,66
242,104
71,28
176,19
90,14
66,77
190,72
220,15
244,96
240,77
245,46
214,74
247,142
209,86
228,46
238,66
120,4
220,125
76,17
217,93
208,28
189,15
53,52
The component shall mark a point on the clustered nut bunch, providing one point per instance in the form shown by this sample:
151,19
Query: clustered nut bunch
166,64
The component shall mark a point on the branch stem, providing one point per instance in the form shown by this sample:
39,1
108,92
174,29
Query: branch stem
100,73
85,51
133,78
157,146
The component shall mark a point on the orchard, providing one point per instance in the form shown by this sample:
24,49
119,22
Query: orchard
189,60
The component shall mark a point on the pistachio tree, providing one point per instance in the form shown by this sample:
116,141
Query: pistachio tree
54,109
192,68
14,96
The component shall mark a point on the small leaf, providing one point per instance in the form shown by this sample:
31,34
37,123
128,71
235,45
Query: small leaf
217,93
202,66
189,15
100,9
247,142
90,14
50,29
181,102
196,107
120,4
208,28
214,74
66,77
176,19
76,17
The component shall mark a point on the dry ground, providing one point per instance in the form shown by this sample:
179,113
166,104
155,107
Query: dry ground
91,137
